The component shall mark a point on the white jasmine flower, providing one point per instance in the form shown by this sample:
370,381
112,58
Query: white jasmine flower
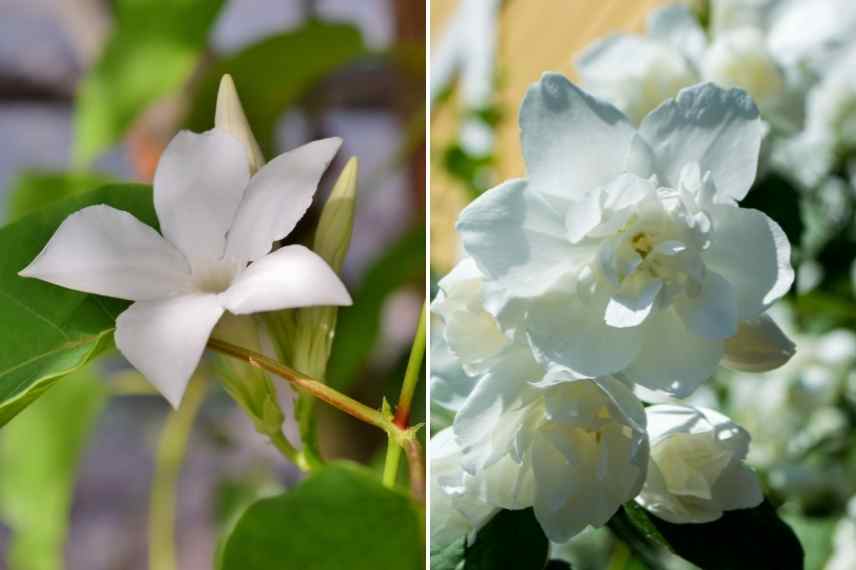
625,248
696,468
456,507
575,450
812,32
218,227
638,72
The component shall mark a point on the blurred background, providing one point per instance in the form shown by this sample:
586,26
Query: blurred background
91,91
802,417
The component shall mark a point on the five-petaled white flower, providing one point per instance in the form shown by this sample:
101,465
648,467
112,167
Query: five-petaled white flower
696,468
626,248
218,225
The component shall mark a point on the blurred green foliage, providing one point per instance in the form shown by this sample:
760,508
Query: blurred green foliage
275,73
155,46
39,453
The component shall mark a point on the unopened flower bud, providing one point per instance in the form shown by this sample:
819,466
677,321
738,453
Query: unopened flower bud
759,346
231,118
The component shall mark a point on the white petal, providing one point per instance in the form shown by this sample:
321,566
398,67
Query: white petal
632,303
759,346
199,182
572,333
292,276
572,142
277,197
583,215
680,28
717,128
165,339
109,252
753,254
673,359
713,313
516,238
738,488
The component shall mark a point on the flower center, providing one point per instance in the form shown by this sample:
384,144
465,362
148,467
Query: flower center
642,244
214,276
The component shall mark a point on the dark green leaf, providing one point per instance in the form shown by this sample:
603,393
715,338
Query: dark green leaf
40,453
31,191
152,52
340,517
512,539
357,331
778,198
816,536
275,73
743,539
46,331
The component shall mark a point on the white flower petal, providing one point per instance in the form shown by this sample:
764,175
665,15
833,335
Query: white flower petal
516,238
679,27
753,254
583,215
759,346
713,313
165,339
570,332
717,128
109,252
632,303
277,197
738,488
572,142
199,182
659,366
292,276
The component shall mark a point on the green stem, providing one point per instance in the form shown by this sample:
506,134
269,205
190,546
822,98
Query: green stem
405,401
411,375
390,465
406,438
284,446
168,461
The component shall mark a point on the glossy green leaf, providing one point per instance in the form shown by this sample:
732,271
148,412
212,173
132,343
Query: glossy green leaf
275,73
46,331
359,325
154,49
33,190
40,452
339,517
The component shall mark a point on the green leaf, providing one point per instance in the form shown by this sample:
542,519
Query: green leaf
152,52
512,539
46,331
339,517
40,452
275,73
359,325
33,190
742,539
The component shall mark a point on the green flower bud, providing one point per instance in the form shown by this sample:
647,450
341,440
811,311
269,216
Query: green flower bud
230,117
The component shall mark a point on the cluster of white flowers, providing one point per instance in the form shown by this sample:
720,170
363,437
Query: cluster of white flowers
623,260
794,57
